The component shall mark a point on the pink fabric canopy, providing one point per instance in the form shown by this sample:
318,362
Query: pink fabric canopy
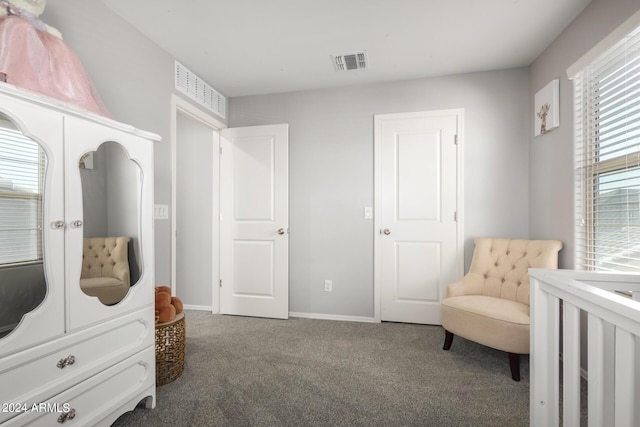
43,63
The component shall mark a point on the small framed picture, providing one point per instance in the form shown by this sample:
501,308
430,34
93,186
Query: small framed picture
547,108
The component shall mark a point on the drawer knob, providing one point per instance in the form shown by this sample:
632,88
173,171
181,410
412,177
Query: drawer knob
69,360
67,416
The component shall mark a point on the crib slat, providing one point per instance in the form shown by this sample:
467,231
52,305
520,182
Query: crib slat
544,361
595,347
571,365
625,374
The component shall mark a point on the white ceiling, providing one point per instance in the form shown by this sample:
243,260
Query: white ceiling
249,47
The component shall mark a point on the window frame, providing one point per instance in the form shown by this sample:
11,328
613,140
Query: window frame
589,167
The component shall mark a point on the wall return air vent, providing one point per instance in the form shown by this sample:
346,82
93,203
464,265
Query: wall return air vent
195,88
350,61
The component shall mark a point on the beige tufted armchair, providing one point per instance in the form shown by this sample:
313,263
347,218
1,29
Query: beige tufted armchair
490,305
105,268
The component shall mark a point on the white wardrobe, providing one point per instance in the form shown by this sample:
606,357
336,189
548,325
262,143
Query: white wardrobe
64,356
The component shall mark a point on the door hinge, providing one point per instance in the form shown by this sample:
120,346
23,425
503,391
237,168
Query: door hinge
455,216
455,139
221,150
220,283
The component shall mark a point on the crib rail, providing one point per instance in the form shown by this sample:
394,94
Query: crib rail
564,303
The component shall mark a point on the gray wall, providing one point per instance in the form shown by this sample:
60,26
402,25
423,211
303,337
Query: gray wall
331,173
135,79
551,155
94,197
194,218
508,172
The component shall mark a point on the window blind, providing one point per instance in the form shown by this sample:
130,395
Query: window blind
22,167
607,155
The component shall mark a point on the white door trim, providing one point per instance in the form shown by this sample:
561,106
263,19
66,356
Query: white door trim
182,106
377,300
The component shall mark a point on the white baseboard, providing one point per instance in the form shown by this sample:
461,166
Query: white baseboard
198,307
333,317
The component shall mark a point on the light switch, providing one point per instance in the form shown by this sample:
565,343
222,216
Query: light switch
160,211
368,212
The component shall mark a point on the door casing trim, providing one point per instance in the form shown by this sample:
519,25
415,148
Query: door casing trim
181,106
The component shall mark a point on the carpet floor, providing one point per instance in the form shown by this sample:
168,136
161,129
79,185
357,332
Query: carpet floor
243,371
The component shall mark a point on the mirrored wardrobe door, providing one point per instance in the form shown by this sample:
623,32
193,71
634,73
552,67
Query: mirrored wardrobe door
110,201
31,228
106,186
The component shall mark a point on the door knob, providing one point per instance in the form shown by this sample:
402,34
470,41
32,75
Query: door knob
386,231
76,224
281,231
57,224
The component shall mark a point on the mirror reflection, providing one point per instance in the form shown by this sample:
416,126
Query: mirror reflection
22,169
111,185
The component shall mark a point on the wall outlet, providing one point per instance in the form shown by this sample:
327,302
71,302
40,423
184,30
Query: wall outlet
328,286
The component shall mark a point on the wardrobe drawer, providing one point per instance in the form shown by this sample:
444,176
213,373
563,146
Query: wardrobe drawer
55,368
91,401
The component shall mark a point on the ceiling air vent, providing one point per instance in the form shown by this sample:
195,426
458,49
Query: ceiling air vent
195,88
350,61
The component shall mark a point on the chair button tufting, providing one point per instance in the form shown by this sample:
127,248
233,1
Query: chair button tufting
485,276
502,280
496,264
513,267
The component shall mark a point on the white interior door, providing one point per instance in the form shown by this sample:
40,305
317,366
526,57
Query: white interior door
417,251
254,243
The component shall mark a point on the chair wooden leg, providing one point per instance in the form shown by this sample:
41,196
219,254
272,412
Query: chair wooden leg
448,339
514,363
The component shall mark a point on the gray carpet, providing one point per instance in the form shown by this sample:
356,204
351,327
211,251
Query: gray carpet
242,371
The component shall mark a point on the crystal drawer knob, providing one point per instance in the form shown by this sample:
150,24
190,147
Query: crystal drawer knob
67,361
67,416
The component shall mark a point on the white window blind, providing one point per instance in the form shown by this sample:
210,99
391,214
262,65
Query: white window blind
607,134
22,166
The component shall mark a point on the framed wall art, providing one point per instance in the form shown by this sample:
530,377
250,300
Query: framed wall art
547,108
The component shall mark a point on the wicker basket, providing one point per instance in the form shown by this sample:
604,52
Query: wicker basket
170,347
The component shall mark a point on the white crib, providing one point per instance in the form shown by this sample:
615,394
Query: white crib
566,305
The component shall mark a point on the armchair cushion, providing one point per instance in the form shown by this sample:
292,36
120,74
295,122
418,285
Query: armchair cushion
490,305
105,268
494,322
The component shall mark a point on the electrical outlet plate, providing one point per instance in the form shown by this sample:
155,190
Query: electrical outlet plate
328,286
